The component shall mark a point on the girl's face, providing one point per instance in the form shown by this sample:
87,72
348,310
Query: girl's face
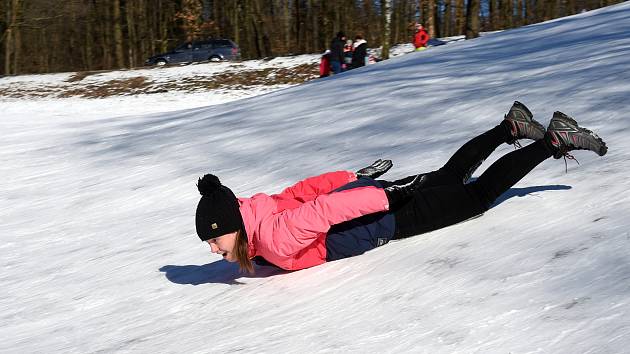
224,245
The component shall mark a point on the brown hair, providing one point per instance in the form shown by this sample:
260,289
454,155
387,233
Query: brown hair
240,251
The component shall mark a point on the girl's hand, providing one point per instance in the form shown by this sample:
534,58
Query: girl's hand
375,170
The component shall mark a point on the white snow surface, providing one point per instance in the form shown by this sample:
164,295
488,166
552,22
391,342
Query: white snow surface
97,202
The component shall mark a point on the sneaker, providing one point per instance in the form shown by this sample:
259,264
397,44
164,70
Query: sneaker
566,135
522,124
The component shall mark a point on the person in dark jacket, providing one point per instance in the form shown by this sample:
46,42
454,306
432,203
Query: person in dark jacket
336,52
359,54
343,214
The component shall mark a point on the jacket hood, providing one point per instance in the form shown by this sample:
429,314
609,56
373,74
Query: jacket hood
359,42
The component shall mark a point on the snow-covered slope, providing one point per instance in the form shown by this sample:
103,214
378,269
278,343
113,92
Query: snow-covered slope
99,252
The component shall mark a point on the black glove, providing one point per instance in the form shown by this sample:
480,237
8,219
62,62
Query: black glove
375,170
397,194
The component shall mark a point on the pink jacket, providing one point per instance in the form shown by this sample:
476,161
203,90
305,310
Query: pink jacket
289,229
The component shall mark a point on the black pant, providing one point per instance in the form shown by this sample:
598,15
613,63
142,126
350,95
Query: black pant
446,199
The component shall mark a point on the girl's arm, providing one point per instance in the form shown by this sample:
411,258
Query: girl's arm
312,187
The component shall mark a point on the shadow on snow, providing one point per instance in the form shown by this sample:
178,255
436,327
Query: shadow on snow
216,272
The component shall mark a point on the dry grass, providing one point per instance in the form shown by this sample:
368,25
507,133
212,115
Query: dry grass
109,88
79,76
234,79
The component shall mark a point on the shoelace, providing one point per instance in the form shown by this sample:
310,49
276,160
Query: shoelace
566,157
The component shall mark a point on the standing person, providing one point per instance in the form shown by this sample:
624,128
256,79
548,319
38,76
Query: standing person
336,52
359,53
343,214
347,55
324,64
420,38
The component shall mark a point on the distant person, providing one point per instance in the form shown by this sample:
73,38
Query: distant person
359,54
343,214
420,38
336,52
324,64
347,55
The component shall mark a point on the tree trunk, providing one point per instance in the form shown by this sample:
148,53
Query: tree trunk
386,6
447,18
103,35
235,21
493,14
45,54
131,33
315,27
520,18
298,26
118,36
369,15
143,29
286,25
430,16
8,37
87,48
508,6
472,19
264,43
12,38
166,23
17,40
460,17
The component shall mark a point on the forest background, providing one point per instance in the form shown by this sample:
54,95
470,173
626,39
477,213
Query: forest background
40,36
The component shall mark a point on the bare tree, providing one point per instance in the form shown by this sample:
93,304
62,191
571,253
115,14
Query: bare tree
430,18
11,37
118,36
460,17
131,32
386,6
472,19
104,34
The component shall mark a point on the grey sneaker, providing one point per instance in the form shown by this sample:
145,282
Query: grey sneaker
566,135
523,125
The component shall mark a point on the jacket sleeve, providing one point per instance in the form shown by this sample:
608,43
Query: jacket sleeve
424,38
312,187
295,229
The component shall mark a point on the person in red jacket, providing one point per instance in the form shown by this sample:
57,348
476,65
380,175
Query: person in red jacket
421,37
343,214
324,64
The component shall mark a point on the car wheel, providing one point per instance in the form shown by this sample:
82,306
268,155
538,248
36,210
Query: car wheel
160,62
215,58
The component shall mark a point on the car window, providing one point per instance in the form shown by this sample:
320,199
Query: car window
222,43
182,46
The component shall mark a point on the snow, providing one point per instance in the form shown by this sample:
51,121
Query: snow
97,200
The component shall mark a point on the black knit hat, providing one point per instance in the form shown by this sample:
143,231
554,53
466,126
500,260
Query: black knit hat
217,211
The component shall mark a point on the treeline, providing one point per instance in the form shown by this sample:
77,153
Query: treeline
76,35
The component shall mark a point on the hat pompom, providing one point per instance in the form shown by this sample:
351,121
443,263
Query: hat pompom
208,184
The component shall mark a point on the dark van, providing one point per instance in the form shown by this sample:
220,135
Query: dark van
206,50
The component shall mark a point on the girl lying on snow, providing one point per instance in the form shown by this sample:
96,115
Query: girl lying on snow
343,214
